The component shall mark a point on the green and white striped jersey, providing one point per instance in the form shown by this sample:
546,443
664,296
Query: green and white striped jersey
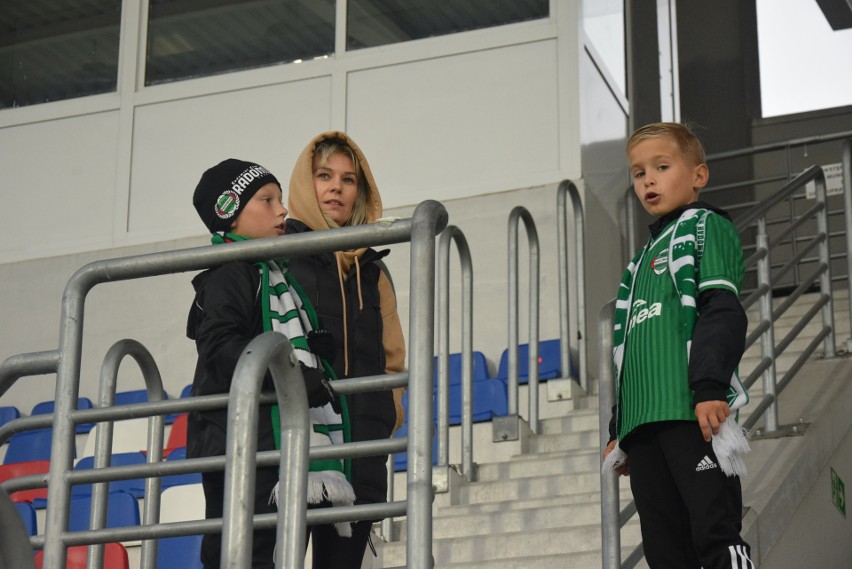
654,385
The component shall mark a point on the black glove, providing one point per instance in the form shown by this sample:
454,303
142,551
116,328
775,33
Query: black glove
319,388
321,343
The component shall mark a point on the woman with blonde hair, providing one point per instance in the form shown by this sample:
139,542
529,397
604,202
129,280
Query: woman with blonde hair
332,186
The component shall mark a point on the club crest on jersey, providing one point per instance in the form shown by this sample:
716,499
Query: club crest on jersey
659,264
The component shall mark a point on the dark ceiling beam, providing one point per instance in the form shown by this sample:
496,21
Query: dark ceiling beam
837,12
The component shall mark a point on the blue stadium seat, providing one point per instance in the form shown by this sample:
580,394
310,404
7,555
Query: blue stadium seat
122,510
400,460
480,368
178,479
549,362
139,396
27,446
186,391
8,413
135,486
28,516
47,408
180,553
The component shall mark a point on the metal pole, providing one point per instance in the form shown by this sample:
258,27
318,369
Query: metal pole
512,322
443,395
450,234
610,523
825,258
568,337
62,444
429,219
767,339
846,159
271,351
103,444
522,213
35,363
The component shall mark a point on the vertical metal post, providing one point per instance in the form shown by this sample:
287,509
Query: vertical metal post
442,398
467,343
825,259
512,318
532,372
62,444
270,351
450,234
767,339
610,522
846,160
429,218
569,338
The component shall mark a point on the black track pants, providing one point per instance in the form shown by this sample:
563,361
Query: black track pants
690,512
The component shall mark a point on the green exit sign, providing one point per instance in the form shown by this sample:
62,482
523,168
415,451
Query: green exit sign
838,492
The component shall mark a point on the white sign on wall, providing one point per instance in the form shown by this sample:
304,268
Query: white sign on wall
833,181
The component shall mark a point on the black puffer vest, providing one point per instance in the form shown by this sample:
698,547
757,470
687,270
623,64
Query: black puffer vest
372,415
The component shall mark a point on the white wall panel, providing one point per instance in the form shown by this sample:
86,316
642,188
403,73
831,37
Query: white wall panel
175,142
461,125
58,185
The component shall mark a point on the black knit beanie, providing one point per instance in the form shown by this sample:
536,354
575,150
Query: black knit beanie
224,190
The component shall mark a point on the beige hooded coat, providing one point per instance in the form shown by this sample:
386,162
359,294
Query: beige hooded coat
303,205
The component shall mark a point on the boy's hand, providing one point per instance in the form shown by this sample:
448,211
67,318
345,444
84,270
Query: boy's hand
319,388
622,469
710,415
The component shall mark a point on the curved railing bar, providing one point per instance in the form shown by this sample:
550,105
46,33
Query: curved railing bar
35,363
570,339
103,444
449,235
518,214
269,351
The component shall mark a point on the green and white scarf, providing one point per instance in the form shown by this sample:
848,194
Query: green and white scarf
286,309
684,254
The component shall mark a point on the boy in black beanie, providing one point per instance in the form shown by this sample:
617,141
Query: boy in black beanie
235,302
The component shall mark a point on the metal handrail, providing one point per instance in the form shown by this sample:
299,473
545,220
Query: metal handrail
270,351
846,161
428,220
449,235
518,214
569,339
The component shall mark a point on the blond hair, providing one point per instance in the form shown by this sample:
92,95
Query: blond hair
322,151
686,141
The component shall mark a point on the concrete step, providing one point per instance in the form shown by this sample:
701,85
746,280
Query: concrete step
531,488
576,461
506,546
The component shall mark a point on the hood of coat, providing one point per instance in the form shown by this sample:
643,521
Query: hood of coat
302,199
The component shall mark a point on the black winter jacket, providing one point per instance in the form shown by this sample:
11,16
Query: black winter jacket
372,415
224,318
